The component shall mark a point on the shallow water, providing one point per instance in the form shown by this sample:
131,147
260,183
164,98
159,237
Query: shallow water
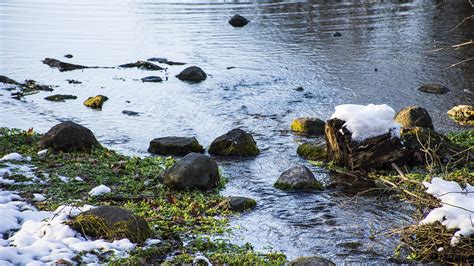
287,44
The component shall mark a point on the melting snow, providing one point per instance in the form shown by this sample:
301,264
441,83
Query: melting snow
99,190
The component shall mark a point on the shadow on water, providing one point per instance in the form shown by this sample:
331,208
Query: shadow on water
254,72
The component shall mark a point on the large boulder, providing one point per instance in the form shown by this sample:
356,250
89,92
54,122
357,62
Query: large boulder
297,178
238,21
179,146
433,88
96,102
69,136
193,171
311,261
112,223
414,116
462,114
192,74
309,126
236,142
312,151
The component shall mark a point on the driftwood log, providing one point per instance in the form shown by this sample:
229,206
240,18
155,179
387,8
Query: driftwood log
373,153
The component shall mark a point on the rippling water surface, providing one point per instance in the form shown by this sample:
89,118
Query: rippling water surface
287,44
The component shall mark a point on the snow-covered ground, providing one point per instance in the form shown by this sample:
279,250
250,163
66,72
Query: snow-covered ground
366,121
457,210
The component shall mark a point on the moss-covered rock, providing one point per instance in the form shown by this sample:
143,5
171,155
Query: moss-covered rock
312,151
179,146
96,102
309,126
235,143
414,116
298,178
310,261
111,222
69,136
60,97
433,88
240,204
462,114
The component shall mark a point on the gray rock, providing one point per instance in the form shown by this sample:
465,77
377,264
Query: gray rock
310,261
130,113
69,136
297,178
152,79
175,146
414,116
193,171
240,204
433,88
111,223
236,142
192,74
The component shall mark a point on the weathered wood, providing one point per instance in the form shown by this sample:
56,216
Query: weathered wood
372,153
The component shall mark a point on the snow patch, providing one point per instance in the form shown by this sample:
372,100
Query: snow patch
457,210
99,190
366,121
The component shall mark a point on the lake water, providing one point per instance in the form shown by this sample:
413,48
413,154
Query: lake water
385,52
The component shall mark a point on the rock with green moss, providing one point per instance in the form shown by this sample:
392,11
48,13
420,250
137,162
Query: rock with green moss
236,142
96,102
312,151
308,126
298,178
310,261
240,204
179,146
433,88
414,116
112,223
69,136
462,114
60,97
193,171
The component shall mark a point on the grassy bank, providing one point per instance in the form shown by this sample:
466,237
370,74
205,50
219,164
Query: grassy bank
184,221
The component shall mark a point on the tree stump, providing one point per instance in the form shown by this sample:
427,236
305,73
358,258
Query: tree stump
373,153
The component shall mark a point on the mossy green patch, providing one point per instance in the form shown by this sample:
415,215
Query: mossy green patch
312,151
96,102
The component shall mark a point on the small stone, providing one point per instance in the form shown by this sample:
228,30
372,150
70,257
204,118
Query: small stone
433,88
192,74
240,204
337,34
299,88
73,81
152,79
297,178
238,21
236,142
414,116
462,114
96,102
7,80
130,113
143,65
68,56
309,126
179,146
60,97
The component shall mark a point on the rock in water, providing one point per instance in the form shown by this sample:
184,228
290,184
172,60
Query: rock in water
192,74
462,114
311,261
175,146
68,56
414,116
240,204
312,151
130,113
309,126
69,136
144,65
337,34
193,171
234,143
112,223
60,97
433,88
7,80
297,178
96,102
238,21
165,61
152,79
62,66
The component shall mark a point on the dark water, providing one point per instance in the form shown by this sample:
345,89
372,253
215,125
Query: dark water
288,44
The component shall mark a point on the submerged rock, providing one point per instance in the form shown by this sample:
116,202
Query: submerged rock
414,116
112,223
312,151
62,66
152,79
73,81
337,34
462,114
60,97
175,146
240,204
193,171
69,136
192,74
309,126
297,178
238,21
165,61
311,261
96,102
130,113
30,87
68,56
235,143
7,80
144,65
433,88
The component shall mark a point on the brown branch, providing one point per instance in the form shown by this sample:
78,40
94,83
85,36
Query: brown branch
458,63
464,20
